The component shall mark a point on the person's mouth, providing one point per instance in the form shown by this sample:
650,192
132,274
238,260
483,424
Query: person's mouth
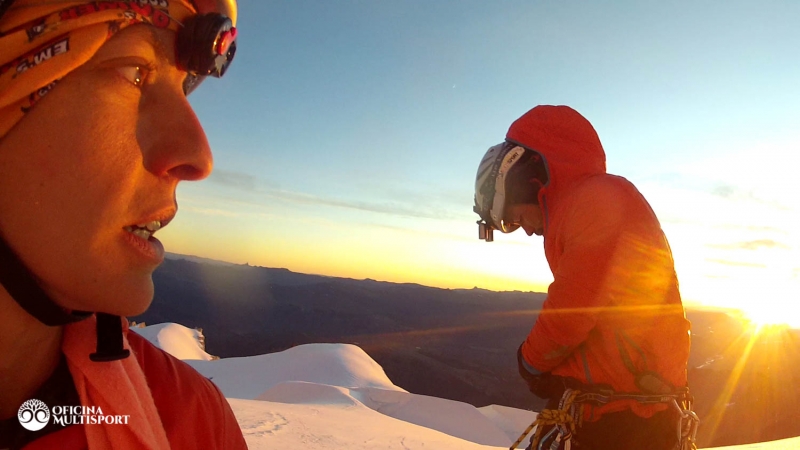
145,230
140,234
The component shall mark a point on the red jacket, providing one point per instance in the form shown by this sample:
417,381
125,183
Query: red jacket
615,292
193,411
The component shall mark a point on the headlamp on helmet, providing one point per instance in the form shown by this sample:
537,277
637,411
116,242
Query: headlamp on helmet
205,45
492,193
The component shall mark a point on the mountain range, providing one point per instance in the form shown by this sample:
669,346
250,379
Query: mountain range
460,344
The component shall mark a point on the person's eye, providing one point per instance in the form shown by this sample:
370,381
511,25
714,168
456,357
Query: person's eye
135,74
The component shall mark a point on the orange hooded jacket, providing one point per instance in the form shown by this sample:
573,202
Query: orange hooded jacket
191,409
613,309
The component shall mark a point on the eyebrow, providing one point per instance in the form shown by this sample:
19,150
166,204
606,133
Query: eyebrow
157,43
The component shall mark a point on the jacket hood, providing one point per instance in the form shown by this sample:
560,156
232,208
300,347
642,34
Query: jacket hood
566,140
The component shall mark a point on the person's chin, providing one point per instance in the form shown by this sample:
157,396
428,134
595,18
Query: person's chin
138,302
133,300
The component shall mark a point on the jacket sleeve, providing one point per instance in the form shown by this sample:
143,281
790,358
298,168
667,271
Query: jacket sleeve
231,436
193,411
588,240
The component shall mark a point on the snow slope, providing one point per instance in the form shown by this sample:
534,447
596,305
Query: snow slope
177,340
335,364
334,396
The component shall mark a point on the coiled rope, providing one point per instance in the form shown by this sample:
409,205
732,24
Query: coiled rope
568,420
561,417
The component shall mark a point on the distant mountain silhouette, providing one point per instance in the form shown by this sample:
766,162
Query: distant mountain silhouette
458,344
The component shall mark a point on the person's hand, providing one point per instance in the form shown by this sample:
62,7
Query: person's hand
539,383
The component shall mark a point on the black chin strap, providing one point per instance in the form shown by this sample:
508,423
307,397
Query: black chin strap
25,290
109,339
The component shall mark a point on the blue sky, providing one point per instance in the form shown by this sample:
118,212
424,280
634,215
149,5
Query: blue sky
347,134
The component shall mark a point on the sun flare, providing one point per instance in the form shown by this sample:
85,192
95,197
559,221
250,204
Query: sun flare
767,315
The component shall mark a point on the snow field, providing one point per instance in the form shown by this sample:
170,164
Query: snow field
334,396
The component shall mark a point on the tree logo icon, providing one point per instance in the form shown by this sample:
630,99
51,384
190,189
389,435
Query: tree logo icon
33,415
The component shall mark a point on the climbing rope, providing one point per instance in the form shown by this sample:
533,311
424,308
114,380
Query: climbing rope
566,419
561,418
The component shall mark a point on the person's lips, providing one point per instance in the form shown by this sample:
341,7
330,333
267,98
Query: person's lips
140,233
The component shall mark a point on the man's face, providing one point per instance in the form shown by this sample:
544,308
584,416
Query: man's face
102,153
528,216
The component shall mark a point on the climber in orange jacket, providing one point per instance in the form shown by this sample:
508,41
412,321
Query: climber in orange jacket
96,132
613,322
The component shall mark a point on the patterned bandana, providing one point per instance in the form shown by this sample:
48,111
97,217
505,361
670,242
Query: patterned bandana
41,41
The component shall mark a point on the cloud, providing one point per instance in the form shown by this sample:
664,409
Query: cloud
394,208
751,245
429,203
717,277
759,228
724,191
427,193
737,174
424,232
211,211
735,263
238,180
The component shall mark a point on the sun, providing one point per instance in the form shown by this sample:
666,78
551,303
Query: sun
767,296
771,314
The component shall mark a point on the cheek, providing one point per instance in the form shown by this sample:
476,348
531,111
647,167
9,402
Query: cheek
68,176
65,171
70,172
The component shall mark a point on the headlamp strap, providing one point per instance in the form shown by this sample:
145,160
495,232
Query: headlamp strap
4,5
25,290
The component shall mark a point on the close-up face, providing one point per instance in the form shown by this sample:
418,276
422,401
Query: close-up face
100,154
528,216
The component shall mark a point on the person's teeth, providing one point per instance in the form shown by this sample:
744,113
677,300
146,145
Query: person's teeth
144,230
144,234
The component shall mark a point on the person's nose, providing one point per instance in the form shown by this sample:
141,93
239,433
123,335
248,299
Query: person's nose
172,140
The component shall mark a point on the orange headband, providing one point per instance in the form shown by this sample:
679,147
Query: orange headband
42,41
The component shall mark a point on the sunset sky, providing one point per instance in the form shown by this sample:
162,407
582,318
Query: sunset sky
347,135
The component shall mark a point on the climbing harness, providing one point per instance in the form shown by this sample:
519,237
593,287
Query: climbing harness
568,417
